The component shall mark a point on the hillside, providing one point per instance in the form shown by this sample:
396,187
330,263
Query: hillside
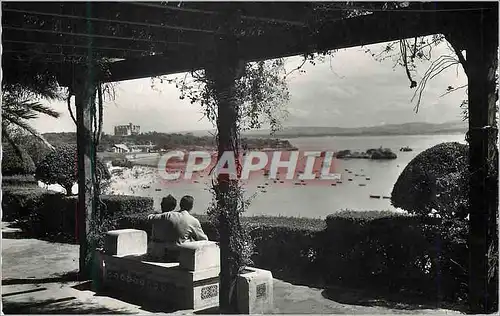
389,129
168,141
204,138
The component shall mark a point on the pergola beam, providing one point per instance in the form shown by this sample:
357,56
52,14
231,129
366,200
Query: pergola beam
21,52
75,34
52,39
110,20
44,44
112,12
299,23
36,50
380,27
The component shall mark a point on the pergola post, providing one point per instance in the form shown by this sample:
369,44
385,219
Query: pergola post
482,61
85,91
222,75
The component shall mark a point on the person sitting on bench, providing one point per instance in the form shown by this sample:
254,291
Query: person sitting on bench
172,228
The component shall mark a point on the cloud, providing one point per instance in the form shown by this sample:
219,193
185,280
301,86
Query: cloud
350,89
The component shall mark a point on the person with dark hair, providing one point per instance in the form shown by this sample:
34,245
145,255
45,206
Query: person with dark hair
158,234
187,203
172,228
168,203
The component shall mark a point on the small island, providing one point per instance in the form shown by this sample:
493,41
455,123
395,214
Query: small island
375,154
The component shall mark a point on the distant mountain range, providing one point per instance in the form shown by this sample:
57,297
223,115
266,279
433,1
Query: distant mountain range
417,128
381,130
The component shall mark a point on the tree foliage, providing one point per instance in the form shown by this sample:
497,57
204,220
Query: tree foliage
36,149
436,179
22,90
239,237
60,167
17,110
411,53
14,163
261,93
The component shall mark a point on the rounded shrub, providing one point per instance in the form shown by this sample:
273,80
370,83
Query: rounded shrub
14,163
60,167
436,180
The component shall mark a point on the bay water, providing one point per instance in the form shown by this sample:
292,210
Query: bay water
318,201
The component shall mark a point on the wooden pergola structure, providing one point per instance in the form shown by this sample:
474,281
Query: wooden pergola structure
145,39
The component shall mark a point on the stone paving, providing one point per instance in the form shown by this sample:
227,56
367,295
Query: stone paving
38,277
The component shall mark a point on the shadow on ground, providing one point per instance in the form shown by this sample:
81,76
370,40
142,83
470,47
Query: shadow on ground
65,305
64,278
20,230
381,298
146,305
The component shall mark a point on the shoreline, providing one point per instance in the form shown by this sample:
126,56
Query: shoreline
288,137
144,181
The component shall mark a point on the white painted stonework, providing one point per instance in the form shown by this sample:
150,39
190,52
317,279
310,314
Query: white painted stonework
124,242
199,255
255,291
192,283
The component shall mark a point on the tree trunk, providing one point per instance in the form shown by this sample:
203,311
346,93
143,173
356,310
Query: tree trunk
482,49
222,75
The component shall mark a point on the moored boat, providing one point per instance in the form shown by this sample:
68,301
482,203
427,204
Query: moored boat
406,148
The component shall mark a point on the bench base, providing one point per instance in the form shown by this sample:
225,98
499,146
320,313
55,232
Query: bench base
161,282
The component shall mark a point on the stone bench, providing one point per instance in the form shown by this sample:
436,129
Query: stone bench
191,283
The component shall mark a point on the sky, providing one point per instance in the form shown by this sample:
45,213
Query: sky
350,89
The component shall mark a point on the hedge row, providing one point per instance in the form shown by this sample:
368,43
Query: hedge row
358,249
381,250
19,181
47,213
275,238
19,201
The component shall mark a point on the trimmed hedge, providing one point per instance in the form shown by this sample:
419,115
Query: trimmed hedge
119,205
18,202
139,221
395,251
19,181
116,206
13,164
378,250
275,238
436,179
51,214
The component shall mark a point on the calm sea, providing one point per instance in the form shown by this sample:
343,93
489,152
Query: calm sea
319,201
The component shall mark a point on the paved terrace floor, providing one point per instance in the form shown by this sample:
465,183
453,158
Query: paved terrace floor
38,277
